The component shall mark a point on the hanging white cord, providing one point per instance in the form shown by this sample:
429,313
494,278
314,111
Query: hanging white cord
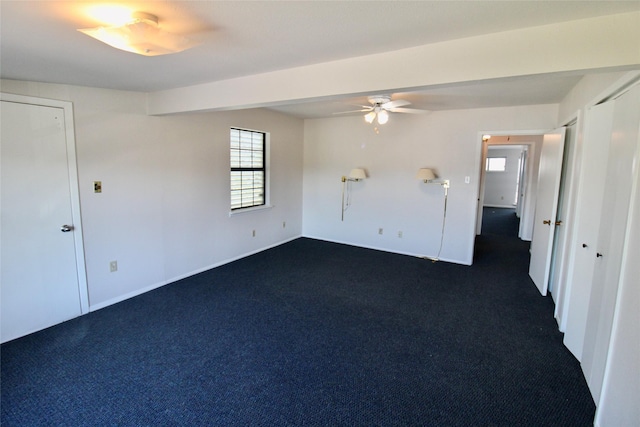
444,217
348,202
344,179
347,182
445,184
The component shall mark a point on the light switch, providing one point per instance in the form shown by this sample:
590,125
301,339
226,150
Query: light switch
97,186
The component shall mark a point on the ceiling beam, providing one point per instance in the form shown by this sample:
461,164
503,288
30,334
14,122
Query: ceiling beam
588,45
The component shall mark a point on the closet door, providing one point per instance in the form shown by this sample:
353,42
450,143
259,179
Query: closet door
620,393
611,237
593,172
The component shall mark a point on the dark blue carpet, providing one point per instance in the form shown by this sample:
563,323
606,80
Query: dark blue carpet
310,334
500,221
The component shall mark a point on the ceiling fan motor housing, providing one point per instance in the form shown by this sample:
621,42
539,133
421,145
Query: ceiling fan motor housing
378,100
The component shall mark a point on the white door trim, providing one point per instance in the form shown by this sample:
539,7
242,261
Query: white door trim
480,172
67,107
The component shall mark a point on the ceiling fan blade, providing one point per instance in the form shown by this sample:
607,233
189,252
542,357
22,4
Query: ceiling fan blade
395,104
354,111
409,110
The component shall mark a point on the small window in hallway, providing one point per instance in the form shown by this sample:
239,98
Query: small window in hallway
496,164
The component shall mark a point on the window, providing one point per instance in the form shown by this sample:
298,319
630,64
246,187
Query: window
496,164
248,172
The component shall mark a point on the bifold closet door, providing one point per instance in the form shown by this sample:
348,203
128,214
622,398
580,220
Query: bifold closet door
593,172
623,156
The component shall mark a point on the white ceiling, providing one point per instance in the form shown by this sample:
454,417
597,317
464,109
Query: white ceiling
39,42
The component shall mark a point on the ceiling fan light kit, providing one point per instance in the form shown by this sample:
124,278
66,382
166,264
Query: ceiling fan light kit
381,106
369,117
141,35
383,117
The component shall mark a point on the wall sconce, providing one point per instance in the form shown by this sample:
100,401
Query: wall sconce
425,175
429,177
356,175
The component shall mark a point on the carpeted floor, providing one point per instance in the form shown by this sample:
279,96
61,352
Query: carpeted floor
311,333
500,221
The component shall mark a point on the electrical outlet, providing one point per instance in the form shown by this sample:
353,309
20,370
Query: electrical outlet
97,186
113,266
379,230
400,234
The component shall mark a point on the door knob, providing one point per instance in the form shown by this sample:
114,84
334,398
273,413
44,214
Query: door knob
558,222
66,228
584,245
598,255
547,222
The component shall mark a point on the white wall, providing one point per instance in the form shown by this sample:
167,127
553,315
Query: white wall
164,210
500,187
583,94
391,198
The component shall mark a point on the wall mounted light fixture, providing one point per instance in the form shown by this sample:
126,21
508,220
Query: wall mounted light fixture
425,175
355,175
429,177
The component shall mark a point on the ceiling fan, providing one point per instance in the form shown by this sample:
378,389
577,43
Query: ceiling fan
380,107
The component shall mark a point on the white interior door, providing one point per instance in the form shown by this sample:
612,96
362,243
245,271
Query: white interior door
546,207
559,244
595,152
522,182
623,157
39,279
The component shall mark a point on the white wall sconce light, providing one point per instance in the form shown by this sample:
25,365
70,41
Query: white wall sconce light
356,175
427,176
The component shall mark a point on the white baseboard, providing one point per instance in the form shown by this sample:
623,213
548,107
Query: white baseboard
146,289
376,248
500,206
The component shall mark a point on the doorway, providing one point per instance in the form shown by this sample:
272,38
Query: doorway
523,169
503,185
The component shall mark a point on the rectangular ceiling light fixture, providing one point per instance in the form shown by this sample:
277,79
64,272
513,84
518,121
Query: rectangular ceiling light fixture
141,35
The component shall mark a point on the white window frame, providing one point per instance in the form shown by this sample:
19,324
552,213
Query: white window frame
496,168
265,168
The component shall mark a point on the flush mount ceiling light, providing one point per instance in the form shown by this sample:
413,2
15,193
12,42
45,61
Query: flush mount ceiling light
141,35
